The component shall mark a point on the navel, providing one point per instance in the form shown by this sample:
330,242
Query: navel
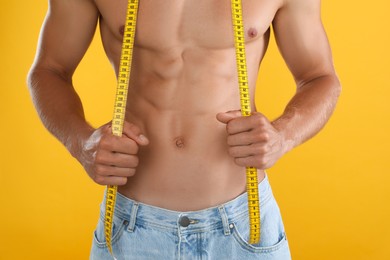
252,33
179,142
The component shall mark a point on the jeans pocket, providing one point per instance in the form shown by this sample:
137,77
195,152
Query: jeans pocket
259,248
117,230
272,233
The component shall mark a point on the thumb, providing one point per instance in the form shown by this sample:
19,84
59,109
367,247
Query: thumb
225,117
134,132
142,140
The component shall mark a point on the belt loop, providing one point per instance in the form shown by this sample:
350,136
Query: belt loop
133,217
225,220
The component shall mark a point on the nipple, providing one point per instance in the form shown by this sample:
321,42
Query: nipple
122,30
252,32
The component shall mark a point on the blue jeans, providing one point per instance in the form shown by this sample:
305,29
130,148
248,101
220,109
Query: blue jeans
146,232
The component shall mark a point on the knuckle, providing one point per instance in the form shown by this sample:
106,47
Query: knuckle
261,120
262,162
99,158
105,142
99,171
239,161
106,129
265,137
99,179
263,149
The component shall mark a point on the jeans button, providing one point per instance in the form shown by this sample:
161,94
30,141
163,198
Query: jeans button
184,221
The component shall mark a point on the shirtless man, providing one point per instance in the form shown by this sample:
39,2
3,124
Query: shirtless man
180,164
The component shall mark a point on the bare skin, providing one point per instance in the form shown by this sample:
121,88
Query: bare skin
185,145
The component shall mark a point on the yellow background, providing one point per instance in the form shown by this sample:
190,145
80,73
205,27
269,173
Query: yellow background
333,191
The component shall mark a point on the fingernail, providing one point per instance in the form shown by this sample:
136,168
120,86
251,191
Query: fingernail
143,138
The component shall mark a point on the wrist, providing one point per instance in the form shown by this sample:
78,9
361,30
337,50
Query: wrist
284,130
77,138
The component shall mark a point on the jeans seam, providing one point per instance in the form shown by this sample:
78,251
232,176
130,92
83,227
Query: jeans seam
253,249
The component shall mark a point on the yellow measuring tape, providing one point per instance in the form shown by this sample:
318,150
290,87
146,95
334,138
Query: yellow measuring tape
120,105
251,172
120,109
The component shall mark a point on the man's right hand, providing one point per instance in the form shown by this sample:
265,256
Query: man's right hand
109,159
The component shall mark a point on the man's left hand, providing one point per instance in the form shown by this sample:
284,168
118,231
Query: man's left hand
253,141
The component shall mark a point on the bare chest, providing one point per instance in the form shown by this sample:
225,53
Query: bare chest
164,24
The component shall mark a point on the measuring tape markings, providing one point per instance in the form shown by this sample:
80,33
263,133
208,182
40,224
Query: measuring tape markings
120,106
251,172
120,110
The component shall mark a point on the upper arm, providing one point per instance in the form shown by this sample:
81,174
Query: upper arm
65,36
302,40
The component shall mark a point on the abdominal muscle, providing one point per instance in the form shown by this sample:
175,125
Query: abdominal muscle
183,74
185,170
186,165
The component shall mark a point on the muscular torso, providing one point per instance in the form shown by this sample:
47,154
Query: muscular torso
184,73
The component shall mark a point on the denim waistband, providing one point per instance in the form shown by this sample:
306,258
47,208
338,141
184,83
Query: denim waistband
215,217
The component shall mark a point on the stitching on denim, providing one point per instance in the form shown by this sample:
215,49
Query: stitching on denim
133,217
225,220
115,237
253,249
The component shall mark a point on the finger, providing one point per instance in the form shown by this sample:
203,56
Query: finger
225,117
247,138
126,145
134,132
241,151
252,161
116,159
123,144
111,180
104,171
259,119
247,123
239,125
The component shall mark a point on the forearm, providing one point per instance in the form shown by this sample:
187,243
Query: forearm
308,111
59,107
